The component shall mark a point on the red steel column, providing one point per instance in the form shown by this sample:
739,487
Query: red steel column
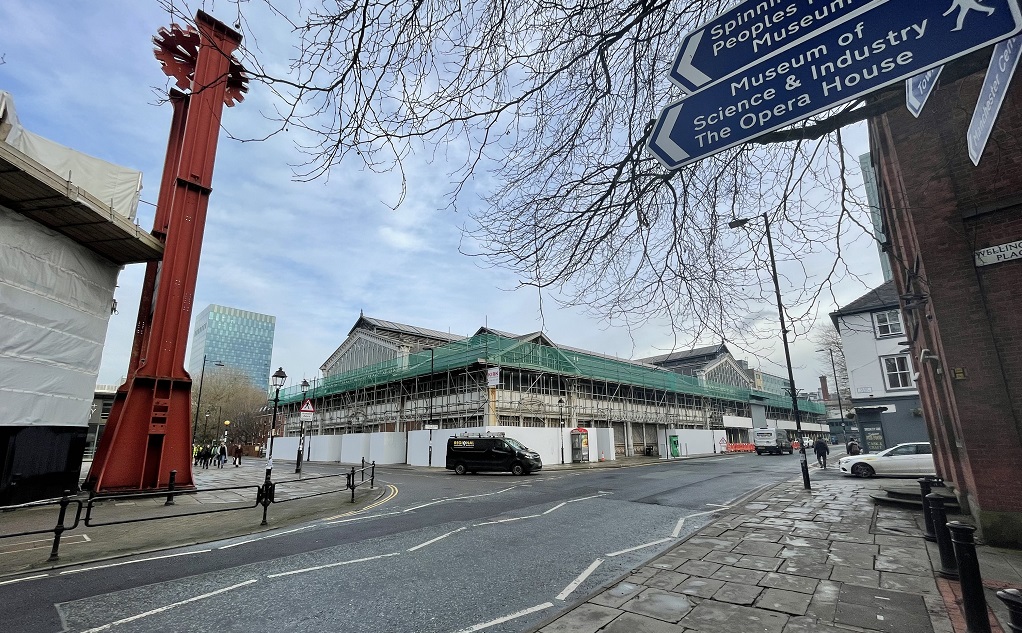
149,429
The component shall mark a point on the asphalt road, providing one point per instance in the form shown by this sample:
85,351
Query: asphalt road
440,553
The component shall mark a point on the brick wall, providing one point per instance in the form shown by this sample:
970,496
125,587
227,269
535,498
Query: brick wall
939,208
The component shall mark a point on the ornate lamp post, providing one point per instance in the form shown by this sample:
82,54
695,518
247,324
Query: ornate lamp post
740,222
277,379
301,430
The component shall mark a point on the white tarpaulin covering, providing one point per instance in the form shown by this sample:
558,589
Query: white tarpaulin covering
55,298
55,294
109,183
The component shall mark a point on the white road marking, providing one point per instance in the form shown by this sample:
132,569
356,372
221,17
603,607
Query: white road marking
442,500
434,540
632,549
45,542
132,562
555,507
681,521
573,585
718,505
167,607
262,538
318,567
512,519
584,498
361,518
10,582
506,618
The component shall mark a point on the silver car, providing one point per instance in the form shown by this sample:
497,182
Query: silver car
912,458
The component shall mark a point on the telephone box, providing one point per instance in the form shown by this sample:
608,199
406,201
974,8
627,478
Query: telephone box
579,446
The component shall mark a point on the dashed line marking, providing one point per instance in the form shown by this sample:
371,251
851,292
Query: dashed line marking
559,505
363,518
512,519
132,562
644,545
434,540
146,614
573,585
445,499
506,618
263,538
329,565
11,582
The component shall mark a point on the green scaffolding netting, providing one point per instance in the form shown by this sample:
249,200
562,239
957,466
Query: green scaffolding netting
507,352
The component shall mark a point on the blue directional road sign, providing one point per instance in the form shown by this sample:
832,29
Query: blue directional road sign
887,44
919,88
751,32
991,95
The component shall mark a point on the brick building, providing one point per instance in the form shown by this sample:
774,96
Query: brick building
961,309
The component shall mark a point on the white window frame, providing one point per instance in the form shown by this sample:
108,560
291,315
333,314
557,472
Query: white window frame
907,372
887,317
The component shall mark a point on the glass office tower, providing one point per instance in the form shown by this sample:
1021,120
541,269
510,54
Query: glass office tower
241,340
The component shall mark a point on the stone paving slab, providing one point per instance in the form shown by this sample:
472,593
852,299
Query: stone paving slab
789,561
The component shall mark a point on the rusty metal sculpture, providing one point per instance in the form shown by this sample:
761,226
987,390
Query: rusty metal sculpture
148,433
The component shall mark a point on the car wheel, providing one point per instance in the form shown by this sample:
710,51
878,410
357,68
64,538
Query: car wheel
517,469
460,469
791,451
759,452
863,470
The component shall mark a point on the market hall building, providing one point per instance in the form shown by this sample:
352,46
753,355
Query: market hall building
392,378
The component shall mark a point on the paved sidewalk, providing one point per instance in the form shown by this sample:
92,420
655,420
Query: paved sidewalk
786,561
222,514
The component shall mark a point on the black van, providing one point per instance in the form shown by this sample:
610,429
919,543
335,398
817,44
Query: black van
473,452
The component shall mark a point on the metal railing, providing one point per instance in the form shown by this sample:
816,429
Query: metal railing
265,494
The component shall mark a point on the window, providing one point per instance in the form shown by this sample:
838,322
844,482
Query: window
897,372
888,323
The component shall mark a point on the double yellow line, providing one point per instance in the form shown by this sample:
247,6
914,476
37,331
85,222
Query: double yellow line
390,494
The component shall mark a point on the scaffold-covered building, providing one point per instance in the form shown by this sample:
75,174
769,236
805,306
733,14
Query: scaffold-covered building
390,377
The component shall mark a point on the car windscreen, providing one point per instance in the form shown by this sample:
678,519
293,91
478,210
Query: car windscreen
515,444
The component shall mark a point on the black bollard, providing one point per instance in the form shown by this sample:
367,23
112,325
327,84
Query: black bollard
948,566
170,488
59,529
974,603
265,495
1012,598
925,488
352,476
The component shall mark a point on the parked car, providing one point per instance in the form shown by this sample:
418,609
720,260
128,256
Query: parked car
911,458
490,452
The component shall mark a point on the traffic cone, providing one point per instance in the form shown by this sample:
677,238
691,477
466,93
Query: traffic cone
601,456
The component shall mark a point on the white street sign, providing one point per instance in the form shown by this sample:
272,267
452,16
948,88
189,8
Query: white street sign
991,95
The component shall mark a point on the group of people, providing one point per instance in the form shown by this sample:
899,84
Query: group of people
216,455
822,450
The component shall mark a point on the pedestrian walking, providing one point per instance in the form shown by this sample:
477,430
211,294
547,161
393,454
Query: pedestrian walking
221,456
237,455
822,450
853,448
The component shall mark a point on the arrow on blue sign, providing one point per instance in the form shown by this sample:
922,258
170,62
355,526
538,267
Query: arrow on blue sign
752,31
893,41
919,88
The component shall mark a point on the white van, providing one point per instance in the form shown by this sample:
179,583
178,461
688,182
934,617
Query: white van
769,440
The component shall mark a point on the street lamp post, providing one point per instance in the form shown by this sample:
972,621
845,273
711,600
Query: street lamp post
301,430
198,398
560,408
278,379
837,389
431,358
740,222
205,423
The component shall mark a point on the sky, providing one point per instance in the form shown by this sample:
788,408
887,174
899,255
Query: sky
312,254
